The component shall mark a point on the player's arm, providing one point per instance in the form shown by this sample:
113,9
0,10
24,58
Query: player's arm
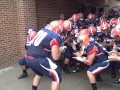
55,49
56,53
114,47
90,58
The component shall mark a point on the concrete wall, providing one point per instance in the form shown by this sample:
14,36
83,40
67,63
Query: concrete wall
114,4
107,4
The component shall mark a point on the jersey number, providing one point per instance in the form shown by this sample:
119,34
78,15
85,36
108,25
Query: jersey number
38,38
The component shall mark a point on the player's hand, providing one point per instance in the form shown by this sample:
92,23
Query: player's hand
77,54
63,48
113,57
112,52
78,59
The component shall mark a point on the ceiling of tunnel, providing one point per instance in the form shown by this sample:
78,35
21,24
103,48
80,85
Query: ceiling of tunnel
106,4
93,2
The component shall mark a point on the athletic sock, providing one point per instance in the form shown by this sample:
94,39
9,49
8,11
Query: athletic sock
24,71
94,86
34,87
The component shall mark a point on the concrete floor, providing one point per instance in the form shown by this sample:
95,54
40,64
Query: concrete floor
74,81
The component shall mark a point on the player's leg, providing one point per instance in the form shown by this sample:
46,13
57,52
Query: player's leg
92,80
23,66
36,82
55,85
94,70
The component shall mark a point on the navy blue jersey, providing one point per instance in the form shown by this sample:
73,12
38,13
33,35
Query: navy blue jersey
95,47
97,21
105,37
91,22
80,22
42,43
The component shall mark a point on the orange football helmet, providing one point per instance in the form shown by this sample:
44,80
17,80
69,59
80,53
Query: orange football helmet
104,26
31,35
56,26
116,30
67,25
83,31
75,17
83,37
91,16
91,30
113,21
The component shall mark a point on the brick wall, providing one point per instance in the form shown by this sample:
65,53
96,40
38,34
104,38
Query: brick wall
8,32
26,19
16,16
48,10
